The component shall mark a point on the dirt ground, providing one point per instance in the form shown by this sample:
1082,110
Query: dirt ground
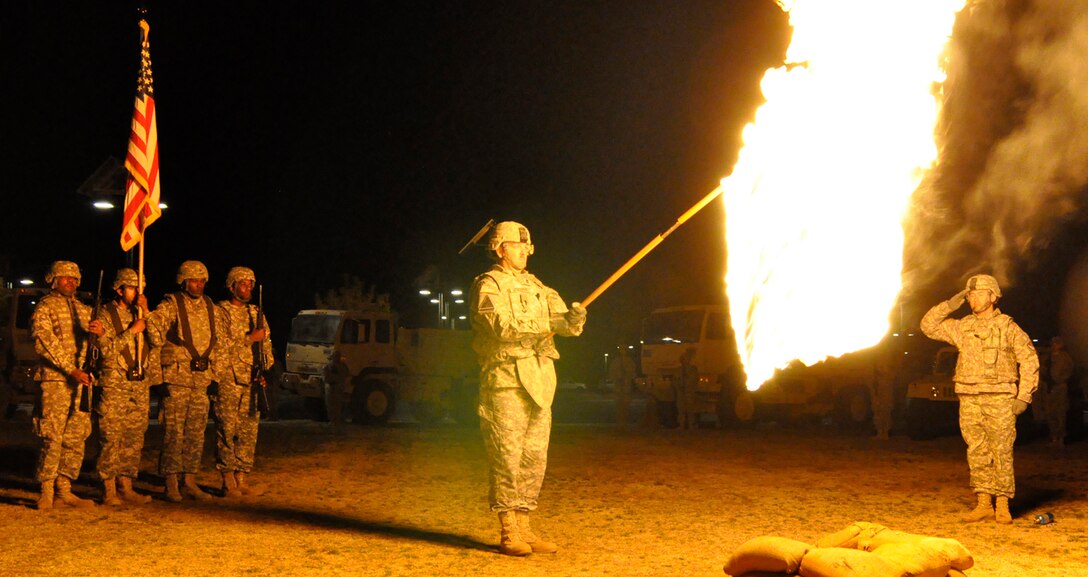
411,500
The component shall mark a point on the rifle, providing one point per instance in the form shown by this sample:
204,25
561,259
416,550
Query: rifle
90,362
258,394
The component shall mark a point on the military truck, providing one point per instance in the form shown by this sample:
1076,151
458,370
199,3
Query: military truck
668,332
17,356
432,371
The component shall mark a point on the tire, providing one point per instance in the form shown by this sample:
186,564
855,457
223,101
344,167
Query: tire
315,409
853,409
372,403
931,419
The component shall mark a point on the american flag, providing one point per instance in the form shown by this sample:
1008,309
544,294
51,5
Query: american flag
142,161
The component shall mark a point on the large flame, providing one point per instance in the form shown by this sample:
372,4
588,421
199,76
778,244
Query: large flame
815,204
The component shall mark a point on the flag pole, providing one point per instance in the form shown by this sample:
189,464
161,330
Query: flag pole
651,245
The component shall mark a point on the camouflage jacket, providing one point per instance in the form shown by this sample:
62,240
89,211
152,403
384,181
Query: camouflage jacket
117,345
996,355
59,329
164,329
236,351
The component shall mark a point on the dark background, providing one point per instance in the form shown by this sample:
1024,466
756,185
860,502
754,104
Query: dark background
313,140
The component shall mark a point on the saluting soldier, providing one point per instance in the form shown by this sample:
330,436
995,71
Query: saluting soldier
237,419
184,326
61,327
996,376
123,408
515,317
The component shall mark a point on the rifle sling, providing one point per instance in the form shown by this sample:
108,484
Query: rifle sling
187,331
130,361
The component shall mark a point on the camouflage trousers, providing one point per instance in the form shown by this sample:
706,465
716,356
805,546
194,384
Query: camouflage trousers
236,429
122,422
516,432
63,430
185,416
989,428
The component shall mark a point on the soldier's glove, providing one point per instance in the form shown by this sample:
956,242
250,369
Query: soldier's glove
576,315
957,301
1018,407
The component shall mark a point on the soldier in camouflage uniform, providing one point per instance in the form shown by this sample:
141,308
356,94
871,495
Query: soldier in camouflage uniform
184,326
996,376
61,327
1060,370
515,318
236,417
123,408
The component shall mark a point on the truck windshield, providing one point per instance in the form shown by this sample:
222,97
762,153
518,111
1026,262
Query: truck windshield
673,327
314,329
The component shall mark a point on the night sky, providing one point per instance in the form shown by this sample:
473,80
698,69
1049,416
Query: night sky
313,140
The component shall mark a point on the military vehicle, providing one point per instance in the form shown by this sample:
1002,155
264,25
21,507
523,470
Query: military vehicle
432,371
17,356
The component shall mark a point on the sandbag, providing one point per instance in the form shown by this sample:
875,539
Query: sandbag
848,536
842,562
917,560
767,553
874,536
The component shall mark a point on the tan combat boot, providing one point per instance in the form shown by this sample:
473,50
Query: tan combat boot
1001,512
189,488
247,488
982,511
538,545
45,498
172,493
64,493
511,542
129,494
230,485
109,495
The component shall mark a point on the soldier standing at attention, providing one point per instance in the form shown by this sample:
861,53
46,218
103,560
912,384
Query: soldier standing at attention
236,417
183,325
123,411
996,376
61,327
514,317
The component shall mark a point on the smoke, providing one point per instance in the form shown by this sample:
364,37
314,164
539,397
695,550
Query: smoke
1013,141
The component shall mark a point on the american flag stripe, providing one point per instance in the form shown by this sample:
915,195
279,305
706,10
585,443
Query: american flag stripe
142,161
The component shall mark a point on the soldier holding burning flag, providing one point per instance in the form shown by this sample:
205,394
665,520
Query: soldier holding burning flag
515,317
996,376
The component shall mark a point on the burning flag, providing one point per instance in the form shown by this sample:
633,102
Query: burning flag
142,161
815,204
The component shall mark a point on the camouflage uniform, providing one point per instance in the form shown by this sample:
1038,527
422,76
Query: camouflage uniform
997,365
186,404
236,427
124,406
515,318
59,329
1057,394
621,371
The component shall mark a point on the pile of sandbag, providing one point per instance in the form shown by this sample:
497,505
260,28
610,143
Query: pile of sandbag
860,550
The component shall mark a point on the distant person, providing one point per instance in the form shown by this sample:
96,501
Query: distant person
184,326
337,374
996,375
124,406
687,384
246,354
515,318
61,327
882,391
621,371
1060,370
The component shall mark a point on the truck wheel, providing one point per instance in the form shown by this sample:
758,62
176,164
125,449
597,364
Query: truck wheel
744,407
315,408
852,409
930,419
371,402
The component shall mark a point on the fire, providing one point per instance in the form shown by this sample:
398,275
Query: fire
815,204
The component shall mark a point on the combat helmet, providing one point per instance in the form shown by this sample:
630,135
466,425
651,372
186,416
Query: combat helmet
127,277
63,268
984,282
508,231
240,273
192,269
